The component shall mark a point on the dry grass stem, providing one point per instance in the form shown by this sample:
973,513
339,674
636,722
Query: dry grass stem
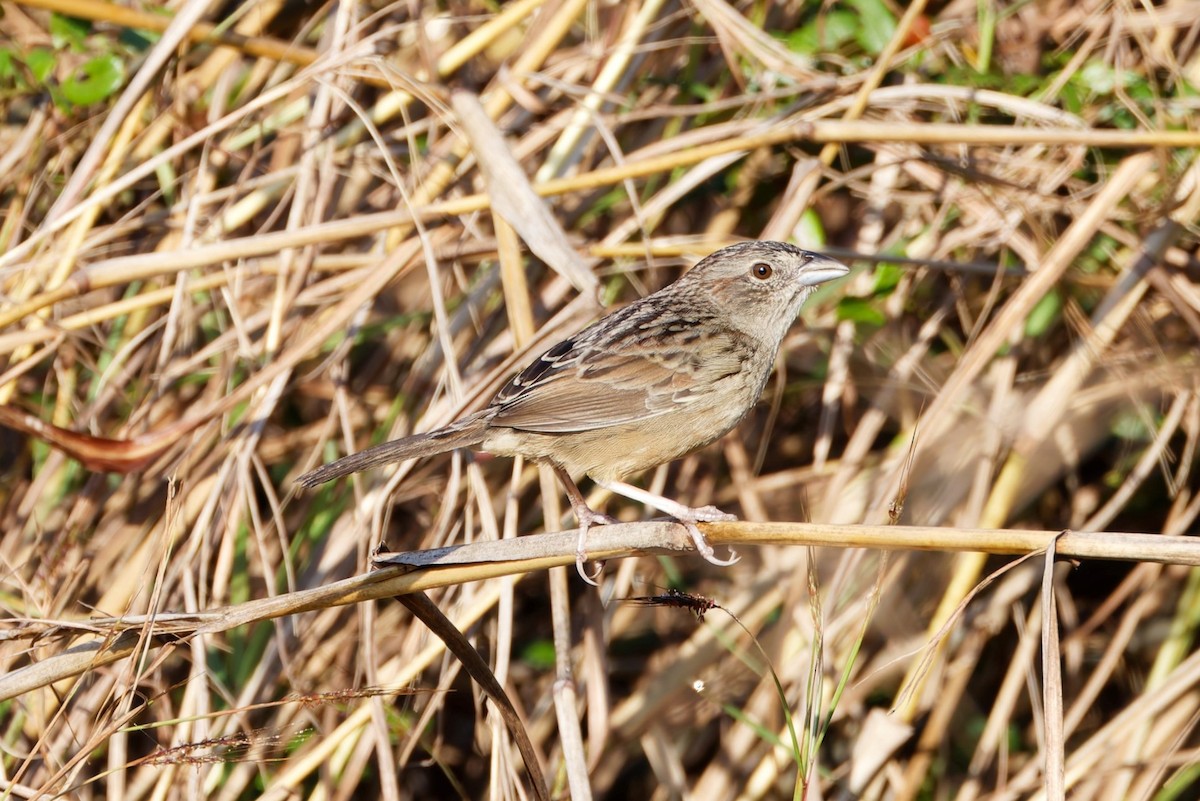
238,242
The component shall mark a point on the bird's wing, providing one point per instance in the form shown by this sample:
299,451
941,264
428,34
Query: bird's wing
619,371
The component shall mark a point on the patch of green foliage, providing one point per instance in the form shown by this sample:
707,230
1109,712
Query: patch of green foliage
863,25
78,70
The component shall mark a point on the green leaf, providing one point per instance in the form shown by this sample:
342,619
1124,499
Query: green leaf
810,230
1044,315
860,310
876,25
1100,78
68,32
1131,426
539,654
137,41
703,92
8,67
96,80
824,34
887,277
41,63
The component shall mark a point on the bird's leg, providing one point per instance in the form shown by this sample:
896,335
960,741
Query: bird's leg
686,515
587,518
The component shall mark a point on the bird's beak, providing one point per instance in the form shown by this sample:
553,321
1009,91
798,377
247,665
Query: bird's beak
821,269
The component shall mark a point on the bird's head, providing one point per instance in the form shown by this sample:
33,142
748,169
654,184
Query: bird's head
762,285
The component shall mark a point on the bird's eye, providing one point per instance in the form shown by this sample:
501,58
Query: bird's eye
761,270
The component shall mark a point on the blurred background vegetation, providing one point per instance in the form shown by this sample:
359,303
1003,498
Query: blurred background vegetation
238,240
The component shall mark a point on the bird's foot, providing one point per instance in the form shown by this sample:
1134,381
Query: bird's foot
588,518
689,517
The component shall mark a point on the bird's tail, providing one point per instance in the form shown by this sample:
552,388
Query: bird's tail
464,433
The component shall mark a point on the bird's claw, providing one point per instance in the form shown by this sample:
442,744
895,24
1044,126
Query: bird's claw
704,514
586,521
707,514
